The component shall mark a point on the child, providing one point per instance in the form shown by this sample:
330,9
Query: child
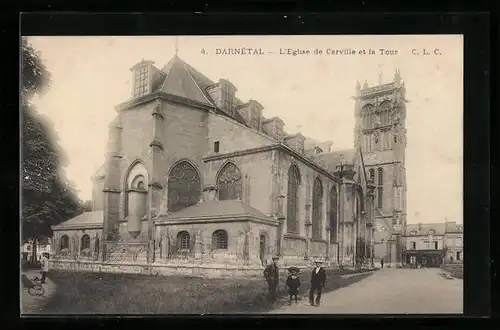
293,284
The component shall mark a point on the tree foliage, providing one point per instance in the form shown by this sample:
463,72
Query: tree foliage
47,196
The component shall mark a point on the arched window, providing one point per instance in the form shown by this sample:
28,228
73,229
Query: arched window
333,215
183,240
219,240
184,187
85,243
317,208
135,179
380,189
229,182
292,199
64,242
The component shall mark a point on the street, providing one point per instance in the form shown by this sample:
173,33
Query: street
390,291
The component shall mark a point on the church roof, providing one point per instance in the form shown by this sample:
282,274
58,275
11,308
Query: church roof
182,80
85,220
330,160
232,208
424,228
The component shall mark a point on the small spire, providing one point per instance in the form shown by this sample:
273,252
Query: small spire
358,85
365,85
176,45
397,76
380,78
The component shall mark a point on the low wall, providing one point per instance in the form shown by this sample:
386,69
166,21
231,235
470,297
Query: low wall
212,271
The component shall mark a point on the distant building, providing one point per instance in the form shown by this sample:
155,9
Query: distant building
41,248
431,244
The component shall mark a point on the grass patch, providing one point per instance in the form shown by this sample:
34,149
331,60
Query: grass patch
105,293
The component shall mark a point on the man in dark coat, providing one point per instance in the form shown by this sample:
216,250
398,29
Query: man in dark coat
271,274
318,280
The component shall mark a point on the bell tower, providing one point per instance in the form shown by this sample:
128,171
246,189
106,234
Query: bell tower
380,132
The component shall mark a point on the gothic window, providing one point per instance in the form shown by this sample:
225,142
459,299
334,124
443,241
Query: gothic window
317,208
134,179
333,215
141,82
85,243
183,240
229,182
292,199
64,242
184,187
367,113
372,175
219,240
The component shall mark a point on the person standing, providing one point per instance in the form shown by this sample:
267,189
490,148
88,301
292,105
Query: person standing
382,262
45,267
293,284
318,280
271,274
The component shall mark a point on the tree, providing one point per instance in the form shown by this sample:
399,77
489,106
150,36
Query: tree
47,198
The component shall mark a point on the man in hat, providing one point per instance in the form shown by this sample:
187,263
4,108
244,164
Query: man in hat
318,280
271,274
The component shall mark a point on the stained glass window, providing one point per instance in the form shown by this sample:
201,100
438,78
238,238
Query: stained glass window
183,240
333,215
184,187
317,208
219,240
85,242
141,82
292,199
229,183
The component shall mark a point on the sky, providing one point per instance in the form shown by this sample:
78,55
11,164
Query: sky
311,93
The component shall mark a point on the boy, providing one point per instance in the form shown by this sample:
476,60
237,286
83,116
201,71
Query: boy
293,284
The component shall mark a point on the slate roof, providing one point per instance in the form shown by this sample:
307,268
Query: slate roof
86,219
423,228
330,160
216,209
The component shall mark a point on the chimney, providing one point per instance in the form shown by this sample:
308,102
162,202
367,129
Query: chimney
295,142
223,95
273,127
252,113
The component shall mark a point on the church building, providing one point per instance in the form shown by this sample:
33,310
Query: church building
198,182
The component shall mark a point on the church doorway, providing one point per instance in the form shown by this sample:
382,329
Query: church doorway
262,249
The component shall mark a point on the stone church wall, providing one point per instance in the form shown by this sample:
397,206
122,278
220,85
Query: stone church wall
233,136
201,250
74,252
256,172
